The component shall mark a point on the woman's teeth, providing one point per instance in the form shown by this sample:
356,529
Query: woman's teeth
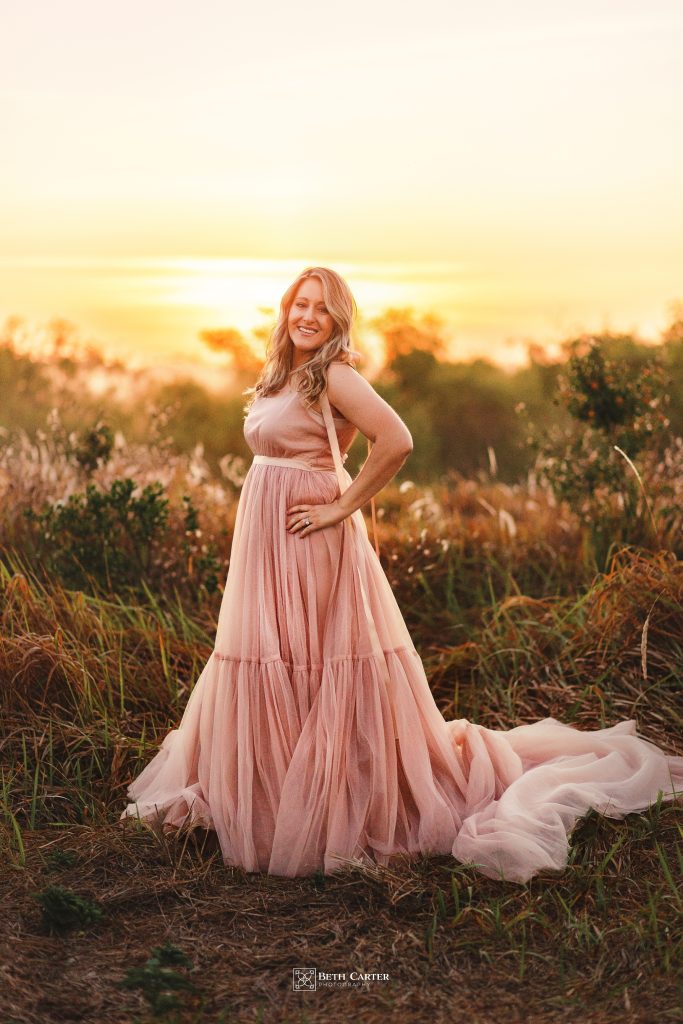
305,330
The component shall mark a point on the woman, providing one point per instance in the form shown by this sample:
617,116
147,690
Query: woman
311,738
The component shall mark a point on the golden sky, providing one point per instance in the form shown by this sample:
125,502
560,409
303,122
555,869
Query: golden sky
169,167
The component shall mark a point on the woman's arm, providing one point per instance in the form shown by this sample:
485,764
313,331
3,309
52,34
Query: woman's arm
392,443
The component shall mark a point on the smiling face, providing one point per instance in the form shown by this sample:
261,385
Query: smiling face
310,324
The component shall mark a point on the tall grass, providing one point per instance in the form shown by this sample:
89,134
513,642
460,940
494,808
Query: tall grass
514,620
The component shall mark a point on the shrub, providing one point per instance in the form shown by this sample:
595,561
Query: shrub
106,535
618,414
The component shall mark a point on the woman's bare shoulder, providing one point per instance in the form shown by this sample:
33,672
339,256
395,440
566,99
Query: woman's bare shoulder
343,380
341,370
361,405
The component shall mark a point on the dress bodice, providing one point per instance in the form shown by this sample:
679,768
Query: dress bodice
280,425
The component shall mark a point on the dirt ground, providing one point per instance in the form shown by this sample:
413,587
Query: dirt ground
245,934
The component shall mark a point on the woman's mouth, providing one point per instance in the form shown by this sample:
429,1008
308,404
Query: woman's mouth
308,332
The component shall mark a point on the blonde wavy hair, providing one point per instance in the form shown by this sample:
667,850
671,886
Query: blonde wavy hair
277,368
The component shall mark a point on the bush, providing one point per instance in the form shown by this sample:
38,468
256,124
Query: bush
618,413
106,535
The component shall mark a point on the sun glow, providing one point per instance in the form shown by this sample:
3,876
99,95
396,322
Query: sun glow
524,185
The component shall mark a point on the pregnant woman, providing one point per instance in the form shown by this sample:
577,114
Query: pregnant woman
311,738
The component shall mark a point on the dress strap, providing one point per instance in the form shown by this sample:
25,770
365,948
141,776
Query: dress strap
336,455
334,440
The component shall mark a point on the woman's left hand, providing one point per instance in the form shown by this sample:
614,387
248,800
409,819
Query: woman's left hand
319,517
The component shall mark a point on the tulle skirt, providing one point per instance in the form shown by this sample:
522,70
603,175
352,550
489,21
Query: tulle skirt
311,739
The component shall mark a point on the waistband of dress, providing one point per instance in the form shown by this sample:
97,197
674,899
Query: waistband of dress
274,460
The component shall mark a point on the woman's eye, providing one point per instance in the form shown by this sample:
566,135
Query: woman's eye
302,305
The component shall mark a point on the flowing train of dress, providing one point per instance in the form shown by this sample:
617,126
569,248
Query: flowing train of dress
311,738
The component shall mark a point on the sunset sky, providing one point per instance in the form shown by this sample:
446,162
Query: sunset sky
170,167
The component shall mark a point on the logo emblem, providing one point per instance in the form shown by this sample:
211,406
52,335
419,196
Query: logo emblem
303,979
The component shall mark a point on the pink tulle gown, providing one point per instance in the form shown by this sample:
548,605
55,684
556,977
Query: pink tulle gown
311,738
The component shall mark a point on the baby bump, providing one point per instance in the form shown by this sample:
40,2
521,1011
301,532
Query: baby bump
282,581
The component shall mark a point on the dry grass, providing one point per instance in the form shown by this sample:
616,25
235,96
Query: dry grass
597,945
512,626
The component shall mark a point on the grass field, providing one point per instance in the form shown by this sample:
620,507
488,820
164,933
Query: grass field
513,623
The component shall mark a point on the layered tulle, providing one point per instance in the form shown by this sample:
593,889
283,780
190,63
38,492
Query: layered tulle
557,773
311,738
